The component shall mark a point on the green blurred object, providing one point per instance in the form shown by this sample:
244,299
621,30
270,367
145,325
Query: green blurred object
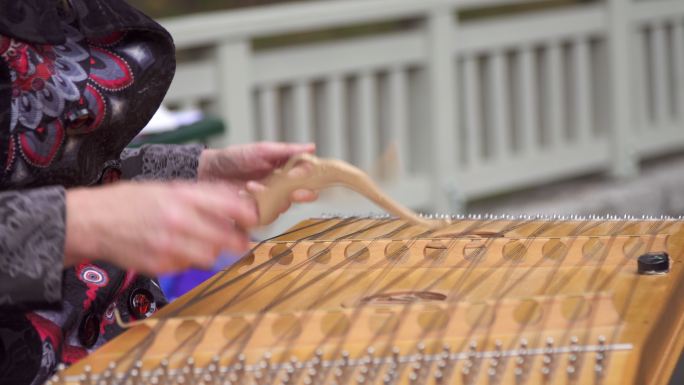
199,132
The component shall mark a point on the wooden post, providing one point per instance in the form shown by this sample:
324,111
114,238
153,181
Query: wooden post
235,104
442,99
625,162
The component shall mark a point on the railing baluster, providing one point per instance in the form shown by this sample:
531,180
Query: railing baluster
268,102
501,138
583,97
554,84
640,99
472,111
678,43
302,123
528,113
367,135
336,142
234,101
660,86
398,116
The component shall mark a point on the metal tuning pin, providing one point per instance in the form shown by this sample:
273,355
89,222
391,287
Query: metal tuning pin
265,367
547,359
392,368
87,378
599,365
520,362
212,375
188,371
164,366
571,369
108,374
493,370
240,367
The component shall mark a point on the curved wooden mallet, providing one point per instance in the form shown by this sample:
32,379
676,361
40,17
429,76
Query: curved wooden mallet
324,173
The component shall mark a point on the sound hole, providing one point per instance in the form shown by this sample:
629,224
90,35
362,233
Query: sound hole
554,250
245,261
435,250
357,251
384,321
282,253
527,312
634,247
480,315
514,251
287,327
575,308
335,324
433,318
594,248
236,328
396,250
320,252
186,330
475,250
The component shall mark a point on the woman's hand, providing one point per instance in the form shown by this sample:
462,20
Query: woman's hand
246,165
156,228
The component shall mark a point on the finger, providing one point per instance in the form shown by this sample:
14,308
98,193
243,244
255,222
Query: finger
190,251
254,187
303,196
236,241
224,202
209,229
278,153
302,170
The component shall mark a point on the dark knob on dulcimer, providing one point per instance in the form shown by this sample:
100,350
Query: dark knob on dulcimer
654,263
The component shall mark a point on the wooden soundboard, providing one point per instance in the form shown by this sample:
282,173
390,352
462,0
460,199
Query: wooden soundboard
379,301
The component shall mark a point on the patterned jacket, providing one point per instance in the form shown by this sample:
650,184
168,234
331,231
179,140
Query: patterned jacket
77,83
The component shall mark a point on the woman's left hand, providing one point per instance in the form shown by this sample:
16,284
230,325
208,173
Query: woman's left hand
246,165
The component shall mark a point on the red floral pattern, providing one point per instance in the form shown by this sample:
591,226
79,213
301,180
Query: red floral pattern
50,81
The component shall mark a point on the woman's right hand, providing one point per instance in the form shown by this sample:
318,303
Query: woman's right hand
156,228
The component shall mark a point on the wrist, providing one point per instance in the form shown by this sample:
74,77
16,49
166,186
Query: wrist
205,164
80,243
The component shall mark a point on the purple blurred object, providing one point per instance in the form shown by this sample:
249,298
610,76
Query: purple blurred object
175,285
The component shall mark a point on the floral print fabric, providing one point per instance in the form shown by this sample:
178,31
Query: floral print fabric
76,86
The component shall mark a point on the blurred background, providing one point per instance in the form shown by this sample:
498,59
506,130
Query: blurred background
453,106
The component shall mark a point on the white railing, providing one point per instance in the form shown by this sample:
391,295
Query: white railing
453,110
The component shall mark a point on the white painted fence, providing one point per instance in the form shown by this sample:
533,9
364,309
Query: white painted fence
458,110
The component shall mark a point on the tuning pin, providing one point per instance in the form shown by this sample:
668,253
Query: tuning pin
598,369
473,348
602,342
396,354
465,374
345,358
439,377
87,375
285,379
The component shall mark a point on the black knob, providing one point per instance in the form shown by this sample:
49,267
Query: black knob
654,263
89,330
141,303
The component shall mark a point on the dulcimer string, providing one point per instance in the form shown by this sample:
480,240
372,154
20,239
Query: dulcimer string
362,230
316,256
141,348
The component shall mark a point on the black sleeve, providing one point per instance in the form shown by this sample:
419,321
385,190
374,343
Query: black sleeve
32,233
161,162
